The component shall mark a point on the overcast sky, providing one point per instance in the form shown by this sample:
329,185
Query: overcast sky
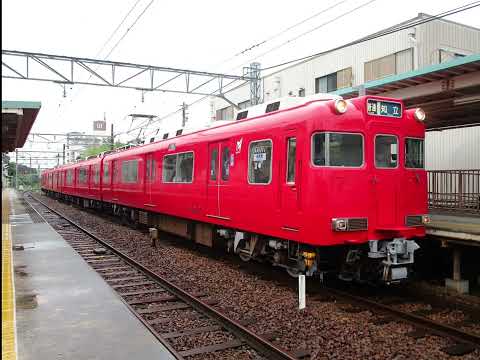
197,35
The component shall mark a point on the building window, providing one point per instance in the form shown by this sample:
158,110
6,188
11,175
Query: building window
386,151
444,55
392,64
333,81
414,153
260,162
178,168
337,149
130,171
225,113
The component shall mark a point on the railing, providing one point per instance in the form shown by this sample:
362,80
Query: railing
454,190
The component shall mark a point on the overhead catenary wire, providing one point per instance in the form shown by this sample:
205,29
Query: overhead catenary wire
377,35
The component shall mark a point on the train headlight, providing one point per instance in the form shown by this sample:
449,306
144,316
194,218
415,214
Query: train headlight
425,219
340,106
339,224
419,114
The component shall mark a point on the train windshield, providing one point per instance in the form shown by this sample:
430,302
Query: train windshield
414,153
337,149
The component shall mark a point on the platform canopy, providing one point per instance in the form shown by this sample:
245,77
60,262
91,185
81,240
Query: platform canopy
448,92
17,120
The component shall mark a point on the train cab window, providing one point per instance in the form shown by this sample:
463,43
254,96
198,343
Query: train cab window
291,159
178,168
260,162
106,174
225,163
386,151
337,149
213,164
414,153
130,171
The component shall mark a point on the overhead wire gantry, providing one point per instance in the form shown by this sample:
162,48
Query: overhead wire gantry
69,70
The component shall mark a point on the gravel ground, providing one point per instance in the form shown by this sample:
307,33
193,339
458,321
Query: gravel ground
324,328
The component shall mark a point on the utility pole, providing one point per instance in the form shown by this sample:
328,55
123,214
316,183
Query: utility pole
184,114
63,154
16,169
112,144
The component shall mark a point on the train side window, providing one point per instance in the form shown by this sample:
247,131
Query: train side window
225,163
106,174
184,168
337,149
69,176
414,153
178,168
386,151
260,162
291,159
130,171
169,168
213,164
82,175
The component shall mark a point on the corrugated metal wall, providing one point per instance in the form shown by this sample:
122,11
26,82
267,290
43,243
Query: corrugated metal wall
453,149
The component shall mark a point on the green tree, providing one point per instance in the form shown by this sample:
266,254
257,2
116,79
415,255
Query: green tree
95,150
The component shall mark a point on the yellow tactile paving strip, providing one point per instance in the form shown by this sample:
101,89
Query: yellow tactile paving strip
8,292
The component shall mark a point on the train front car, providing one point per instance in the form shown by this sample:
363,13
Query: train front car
367,164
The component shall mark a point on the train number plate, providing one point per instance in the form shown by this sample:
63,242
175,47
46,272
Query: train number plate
384,108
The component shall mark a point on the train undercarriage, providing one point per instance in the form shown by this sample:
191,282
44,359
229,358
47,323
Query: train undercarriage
378,261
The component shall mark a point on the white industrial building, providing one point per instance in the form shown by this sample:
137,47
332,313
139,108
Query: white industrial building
411,49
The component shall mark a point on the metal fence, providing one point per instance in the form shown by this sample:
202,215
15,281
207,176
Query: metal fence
454,190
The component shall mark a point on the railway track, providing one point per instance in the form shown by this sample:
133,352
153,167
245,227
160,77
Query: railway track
464,342
156,301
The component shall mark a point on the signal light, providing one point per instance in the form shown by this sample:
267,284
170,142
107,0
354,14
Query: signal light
419,114
340,106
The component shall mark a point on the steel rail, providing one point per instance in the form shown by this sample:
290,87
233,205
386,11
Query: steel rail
434,327
266,348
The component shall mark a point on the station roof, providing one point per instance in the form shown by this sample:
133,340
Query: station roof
449,92
17,120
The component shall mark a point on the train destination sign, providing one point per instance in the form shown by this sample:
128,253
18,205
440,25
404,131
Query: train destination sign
384,108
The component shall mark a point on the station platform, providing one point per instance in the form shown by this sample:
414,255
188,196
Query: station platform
460,229
54,306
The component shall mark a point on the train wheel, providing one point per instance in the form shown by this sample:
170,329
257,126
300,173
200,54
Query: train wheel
293,272
244,256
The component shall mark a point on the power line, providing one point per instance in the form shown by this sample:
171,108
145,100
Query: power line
387,32
260,43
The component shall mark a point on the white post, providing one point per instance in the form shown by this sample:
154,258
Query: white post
301,292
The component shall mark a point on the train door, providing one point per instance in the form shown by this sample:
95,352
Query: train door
290,182
149,178
385,179
218,179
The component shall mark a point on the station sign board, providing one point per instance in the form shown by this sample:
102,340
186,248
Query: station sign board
99,125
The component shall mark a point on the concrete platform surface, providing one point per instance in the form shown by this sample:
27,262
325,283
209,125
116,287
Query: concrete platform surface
64,309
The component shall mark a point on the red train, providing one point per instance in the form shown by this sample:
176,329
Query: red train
318,186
